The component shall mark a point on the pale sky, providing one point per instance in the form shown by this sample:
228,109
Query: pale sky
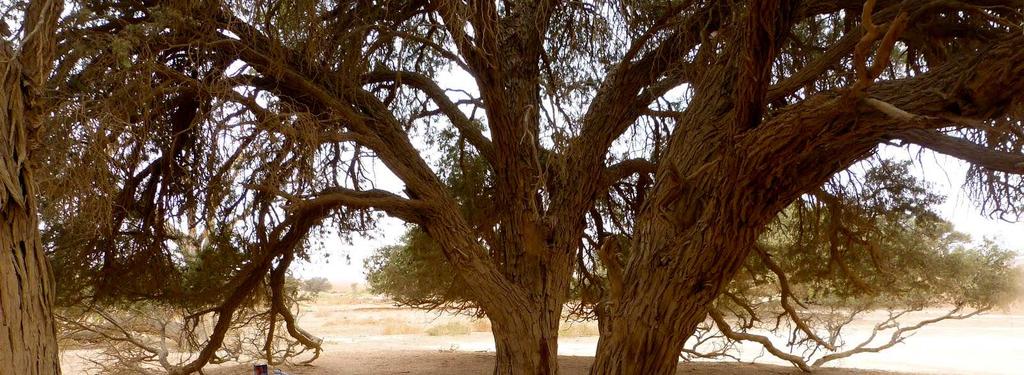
947,176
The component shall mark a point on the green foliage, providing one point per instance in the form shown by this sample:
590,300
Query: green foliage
415,273
881,244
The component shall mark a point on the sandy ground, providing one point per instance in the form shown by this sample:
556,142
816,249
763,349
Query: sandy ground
459,363
371,337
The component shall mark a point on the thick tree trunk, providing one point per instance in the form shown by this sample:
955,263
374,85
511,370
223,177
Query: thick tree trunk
663,305
639,347
28,337
526,334
527,343
688,244
28,343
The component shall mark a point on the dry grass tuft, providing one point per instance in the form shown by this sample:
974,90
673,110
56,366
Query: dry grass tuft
578,329
401,329
449,329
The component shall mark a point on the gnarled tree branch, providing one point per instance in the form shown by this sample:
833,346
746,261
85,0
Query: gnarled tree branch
963,149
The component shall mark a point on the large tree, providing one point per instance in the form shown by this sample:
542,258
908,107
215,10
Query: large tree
716,115
26,284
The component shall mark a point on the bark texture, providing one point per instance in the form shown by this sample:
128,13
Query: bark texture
714,195
28,343
527,343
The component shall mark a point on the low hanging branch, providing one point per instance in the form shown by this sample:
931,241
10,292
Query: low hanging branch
279,306
898,335
764,341
114,331
466,126
868,345
808,239
786,295
283,240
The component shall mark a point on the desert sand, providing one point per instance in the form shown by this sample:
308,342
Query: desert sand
368,335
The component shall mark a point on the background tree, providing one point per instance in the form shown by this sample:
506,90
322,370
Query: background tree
316,285
702,119
27,326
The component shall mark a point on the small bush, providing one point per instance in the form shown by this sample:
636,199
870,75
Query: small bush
449,329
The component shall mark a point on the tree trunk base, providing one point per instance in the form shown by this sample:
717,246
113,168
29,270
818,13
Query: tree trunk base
525,348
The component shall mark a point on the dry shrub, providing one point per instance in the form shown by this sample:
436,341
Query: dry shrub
449,329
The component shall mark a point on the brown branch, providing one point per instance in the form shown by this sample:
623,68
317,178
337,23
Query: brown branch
767,23
667,114
124,335
764,341
608,252
329,93
866,75
835,226
626,168
813,70
786,294
747,309
466,126
277,279
802,145
410,210
248,280
39,45
963,149
621,97
897,337
282,239
441,50
478,50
